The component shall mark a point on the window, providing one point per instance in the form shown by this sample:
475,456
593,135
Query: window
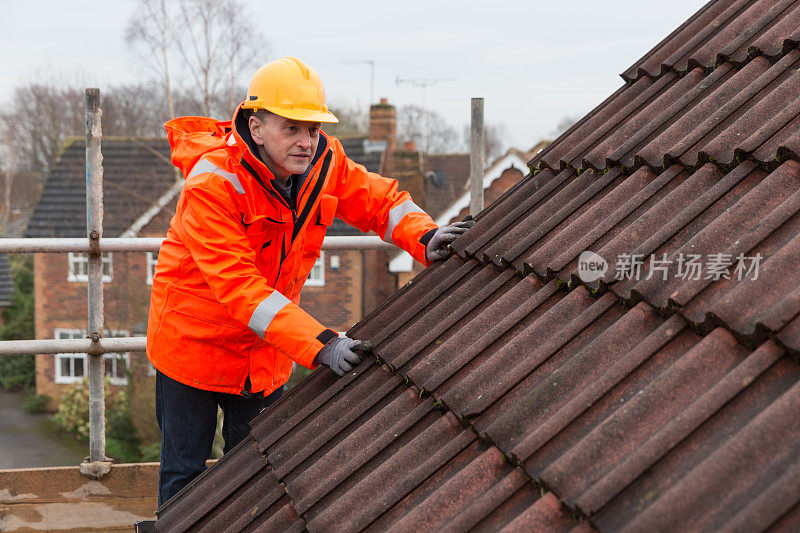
72,367
79,267
152,259
316,278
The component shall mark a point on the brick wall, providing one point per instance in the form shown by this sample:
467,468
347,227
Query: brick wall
60,303
379,283
338,304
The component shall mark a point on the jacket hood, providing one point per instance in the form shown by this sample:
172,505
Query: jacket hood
190,138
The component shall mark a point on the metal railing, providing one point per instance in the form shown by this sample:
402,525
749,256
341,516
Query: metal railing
95,345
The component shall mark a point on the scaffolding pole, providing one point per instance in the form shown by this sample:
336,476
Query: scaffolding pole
477,165
94,229
152,244
42,346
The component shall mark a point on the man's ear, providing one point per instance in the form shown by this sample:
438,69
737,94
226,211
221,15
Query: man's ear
255,131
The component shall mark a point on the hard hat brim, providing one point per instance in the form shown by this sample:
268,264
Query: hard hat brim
307,115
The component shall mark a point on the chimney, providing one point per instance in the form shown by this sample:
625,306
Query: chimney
383,127
410,146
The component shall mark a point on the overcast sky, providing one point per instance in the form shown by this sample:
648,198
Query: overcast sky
533,62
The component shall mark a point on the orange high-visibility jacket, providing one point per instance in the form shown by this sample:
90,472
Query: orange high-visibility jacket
224,303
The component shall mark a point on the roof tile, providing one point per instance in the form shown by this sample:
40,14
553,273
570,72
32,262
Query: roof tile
136,173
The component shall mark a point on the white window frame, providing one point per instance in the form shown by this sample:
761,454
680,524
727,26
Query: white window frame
152,259
111,358
64,333
78,267
316,278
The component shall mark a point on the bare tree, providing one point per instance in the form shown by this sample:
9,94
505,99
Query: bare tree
442,138
494,141
37,120
211,43
133,110
564,124
19,191
9,172
218,44
246,48
353,120
150,27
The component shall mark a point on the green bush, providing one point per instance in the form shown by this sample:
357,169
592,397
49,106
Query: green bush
17,371
122,441
122,451
36,403
150,453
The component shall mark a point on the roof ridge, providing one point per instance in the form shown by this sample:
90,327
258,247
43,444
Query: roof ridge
637,71
538,161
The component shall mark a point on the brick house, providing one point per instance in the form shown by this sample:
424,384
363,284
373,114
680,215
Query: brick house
501,175
139,188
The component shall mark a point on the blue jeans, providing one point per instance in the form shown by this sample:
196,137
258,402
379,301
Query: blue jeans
188,420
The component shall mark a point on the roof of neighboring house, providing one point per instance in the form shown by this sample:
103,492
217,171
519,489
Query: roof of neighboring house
446,175
365,152
514,391
458,209
136,174
138,182
6,281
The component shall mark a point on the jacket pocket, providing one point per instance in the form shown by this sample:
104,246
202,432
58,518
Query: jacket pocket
203,341
266,236
315,231
315,234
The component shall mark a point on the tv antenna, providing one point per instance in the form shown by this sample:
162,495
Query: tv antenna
423,83
371,64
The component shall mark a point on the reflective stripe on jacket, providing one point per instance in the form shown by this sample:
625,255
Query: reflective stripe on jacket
225,294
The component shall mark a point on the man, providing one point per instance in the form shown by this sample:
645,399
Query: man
260,192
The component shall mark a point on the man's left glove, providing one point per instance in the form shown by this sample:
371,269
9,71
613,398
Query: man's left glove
339,356
437,246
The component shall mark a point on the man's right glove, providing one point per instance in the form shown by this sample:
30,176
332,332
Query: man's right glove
339,356
437,246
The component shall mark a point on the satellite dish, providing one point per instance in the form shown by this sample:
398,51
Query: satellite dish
438,178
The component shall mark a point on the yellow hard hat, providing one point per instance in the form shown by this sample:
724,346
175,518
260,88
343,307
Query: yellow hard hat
289,88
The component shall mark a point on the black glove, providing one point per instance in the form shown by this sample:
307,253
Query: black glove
339,355
437,246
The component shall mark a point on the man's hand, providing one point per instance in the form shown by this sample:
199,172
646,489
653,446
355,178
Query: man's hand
437,246
339,356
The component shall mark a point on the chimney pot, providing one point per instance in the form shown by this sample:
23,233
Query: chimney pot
384,101
410,146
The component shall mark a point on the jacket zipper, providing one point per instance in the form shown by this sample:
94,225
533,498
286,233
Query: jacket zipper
320,179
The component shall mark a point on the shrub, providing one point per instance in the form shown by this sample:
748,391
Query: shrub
150,453
17,371
122,441
36,403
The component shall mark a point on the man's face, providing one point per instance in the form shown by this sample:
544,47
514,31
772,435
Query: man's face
287,145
